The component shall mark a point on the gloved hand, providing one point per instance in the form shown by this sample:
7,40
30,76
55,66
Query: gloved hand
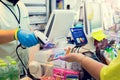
29,39
26,38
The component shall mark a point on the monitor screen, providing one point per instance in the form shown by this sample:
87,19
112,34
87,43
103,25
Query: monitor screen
59,24
93,17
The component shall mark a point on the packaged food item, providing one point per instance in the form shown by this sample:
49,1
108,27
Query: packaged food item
65,74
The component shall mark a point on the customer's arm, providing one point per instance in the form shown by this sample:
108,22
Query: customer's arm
90,65
6,36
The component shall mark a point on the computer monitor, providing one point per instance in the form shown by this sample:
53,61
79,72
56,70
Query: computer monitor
93,17
59,24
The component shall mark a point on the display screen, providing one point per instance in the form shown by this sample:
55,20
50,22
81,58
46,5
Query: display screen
78,36
59,24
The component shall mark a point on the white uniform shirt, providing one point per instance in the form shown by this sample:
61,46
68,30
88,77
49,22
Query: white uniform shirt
7,22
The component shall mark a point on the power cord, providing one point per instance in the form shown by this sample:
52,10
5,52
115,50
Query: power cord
27,69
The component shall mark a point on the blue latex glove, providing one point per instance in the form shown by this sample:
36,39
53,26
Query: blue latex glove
27,38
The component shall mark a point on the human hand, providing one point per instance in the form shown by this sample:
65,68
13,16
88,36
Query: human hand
72,57
26,38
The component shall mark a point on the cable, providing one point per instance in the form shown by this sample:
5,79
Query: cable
19,56
27,70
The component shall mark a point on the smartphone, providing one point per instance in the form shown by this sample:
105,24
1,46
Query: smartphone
56,53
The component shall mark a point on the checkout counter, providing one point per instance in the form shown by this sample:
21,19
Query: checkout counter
42,56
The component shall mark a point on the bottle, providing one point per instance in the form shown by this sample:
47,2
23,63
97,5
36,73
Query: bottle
1,61
4,72
14,72
111,53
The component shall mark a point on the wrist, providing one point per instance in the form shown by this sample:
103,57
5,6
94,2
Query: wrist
15,35
80,57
